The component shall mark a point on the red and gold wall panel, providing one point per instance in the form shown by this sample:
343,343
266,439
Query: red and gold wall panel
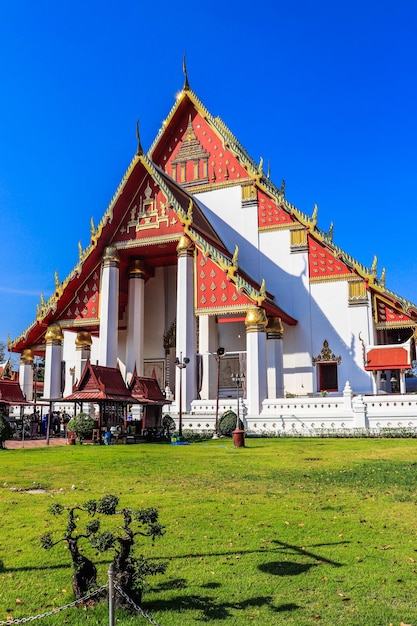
271,214
85,304
214,289
387,314
323,264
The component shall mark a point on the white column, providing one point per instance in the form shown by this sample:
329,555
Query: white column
402,381
52,388
26,374
208,344
256,383
135,319
185,328
83,343
109,308
274,363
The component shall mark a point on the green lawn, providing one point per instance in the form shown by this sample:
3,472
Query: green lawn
290,531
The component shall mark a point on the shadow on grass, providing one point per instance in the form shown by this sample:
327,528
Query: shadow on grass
286,568
212,610
33,568
304,552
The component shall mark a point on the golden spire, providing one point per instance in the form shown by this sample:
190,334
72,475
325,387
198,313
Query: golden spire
186,86
139,150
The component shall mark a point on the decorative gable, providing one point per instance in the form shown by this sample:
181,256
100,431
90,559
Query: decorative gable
84,307
147,214
214,290
323,264
194,154
387,314
272,215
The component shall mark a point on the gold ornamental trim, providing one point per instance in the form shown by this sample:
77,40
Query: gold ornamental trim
137,269
111,255
54,334
274,328
83,339
27,357
256,320
185,246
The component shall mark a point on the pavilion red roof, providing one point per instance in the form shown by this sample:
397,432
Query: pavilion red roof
99,383
146,390
11,393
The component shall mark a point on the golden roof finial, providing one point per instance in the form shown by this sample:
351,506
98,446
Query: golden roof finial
184,69
382,279
235,257
330,233
92,228
262,289
283,188
56,280
374,264
260,166
139,150
315,213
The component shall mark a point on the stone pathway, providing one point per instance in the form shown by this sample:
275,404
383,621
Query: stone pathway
13,444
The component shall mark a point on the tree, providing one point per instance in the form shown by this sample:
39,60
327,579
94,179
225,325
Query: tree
84,577
129,571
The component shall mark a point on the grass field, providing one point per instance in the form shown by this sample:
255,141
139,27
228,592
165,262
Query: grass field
284,531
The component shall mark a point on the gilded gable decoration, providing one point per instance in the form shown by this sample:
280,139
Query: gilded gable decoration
191,162
326,355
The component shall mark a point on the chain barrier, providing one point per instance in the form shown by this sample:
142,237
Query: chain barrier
23,620
135,606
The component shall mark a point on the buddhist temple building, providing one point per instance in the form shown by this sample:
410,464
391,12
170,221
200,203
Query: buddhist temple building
199,250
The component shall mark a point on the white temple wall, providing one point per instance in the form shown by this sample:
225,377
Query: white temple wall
71,356
232,336
237,225
332,319
285,272
154,316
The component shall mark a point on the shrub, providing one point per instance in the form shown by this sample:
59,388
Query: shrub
82,425
6,431
168,426
227,423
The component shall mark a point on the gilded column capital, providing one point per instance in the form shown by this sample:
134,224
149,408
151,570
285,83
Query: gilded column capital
27,357
256,320
111,256
137,268
54,334
185,246
83,339
274,328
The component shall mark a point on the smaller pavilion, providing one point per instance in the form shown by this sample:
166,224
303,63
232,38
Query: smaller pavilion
148,395
105,387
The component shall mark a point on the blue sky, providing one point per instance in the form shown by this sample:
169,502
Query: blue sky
324,90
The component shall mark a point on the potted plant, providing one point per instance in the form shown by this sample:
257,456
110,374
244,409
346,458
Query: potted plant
80,426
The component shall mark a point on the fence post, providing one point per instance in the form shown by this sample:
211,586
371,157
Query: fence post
111,595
